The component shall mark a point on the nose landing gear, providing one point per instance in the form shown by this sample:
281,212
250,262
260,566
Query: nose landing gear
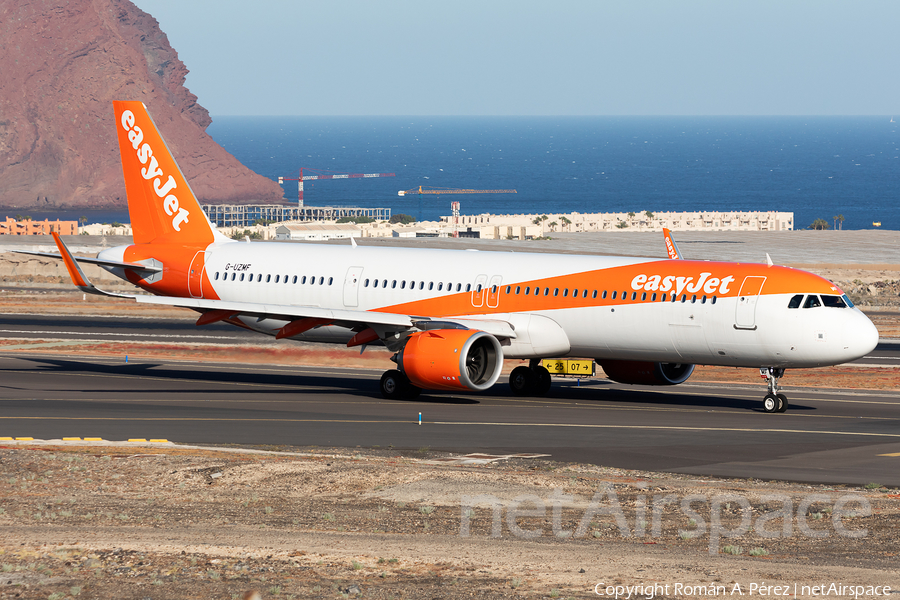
774,401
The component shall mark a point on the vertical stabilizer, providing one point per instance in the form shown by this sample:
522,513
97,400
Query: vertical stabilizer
162,207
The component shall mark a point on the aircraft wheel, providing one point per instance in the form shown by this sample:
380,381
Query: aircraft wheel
521,381
771,403
411,392
542,385
394,384
782,403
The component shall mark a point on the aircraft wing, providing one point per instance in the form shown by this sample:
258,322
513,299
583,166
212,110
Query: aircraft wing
340,317
305,317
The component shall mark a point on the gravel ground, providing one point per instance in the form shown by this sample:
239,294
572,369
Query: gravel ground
172,522
81,521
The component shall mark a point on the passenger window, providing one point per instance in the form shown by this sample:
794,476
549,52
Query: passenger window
519,289
384,283
693,298
294,280
594,295
664,297
614,294
812,301
459,287
430,285
684,297
796,301
643,296
833,302
478,288
421,285
584,294
286,279
259,277
634,295
233,275
242,276
403,285
508,289
366,283
330,280
546,291
321,280
575,293
653,297
268,278
277,278
565,292
703,300
394,284
440,285
713,300
493,289
217,276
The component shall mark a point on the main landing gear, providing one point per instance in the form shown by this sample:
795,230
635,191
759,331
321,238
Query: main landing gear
395,385
533,380
774,400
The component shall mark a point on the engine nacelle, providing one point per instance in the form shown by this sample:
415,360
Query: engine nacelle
646,373
451,359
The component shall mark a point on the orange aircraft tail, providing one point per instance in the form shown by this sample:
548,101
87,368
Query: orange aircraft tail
162,207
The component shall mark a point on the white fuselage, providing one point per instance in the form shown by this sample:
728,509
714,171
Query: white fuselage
706,324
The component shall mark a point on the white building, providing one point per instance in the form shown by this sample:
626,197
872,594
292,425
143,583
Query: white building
316,231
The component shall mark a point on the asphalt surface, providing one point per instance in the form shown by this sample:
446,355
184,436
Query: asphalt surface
827,436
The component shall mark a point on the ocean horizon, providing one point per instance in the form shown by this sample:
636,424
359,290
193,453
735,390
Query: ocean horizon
815,167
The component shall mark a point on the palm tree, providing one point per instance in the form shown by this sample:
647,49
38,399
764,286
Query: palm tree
840,220
820,224
566,222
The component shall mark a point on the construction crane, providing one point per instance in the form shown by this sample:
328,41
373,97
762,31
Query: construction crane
432,190
320,174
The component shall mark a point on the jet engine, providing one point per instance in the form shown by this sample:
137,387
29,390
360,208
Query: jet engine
646,373
451,359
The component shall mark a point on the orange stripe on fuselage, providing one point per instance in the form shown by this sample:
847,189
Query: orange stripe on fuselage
176,262
720,279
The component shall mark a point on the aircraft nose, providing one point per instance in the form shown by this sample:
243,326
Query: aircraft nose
860,336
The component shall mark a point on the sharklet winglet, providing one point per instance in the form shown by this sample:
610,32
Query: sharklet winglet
78,277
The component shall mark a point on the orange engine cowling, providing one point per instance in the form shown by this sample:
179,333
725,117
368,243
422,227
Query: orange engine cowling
451,359
646,373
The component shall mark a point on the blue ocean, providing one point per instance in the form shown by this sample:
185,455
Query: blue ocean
817,167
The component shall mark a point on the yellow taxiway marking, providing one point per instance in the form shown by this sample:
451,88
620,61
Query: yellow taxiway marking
465,424
892,454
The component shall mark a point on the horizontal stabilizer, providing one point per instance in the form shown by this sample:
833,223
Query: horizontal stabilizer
97,261
78,277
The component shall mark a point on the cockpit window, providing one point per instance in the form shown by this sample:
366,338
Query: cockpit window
834,301
812,301
847,301
796,301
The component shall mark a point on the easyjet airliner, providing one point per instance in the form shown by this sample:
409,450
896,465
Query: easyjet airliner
452,316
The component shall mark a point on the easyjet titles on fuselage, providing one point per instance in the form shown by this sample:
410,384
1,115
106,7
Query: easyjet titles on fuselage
661,283
145,153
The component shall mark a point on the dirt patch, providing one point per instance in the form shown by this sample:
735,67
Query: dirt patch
168,522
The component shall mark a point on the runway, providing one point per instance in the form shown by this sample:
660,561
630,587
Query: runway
827,436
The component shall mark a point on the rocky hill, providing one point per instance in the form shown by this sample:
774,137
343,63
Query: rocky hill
63,63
